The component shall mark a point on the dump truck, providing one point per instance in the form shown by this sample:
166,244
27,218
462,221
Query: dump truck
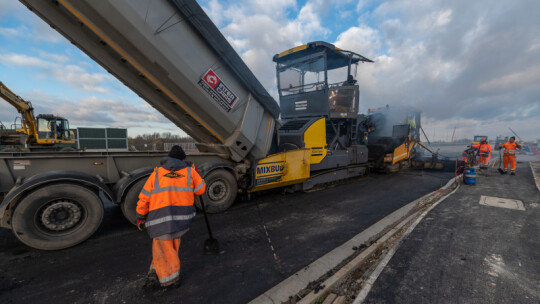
174,57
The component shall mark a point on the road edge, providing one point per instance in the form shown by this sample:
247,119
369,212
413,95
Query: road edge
536,177
292,285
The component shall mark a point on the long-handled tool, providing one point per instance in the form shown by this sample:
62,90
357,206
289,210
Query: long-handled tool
211,245
501,171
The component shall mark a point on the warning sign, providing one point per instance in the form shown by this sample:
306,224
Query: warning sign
217,89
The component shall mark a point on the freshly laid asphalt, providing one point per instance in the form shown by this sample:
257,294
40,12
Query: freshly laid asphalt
464,252
111,266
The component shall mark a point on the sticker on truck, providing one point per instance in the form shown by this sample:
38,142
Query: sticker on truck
269,172
218,90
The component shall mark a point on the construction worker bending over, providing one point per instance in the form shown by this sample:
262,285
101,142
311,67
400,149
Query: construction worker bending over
484,150
165,209
509,155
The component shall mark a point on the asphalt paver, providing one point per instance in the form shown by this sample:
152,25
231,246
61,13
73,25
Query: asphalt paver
111,266
467,252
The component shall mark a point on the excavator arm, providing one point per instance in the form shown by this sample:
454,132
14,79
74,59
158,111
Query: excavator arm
24,107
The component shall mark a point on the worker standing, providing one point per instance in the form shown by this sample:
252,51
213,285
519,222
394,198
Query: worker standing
165,209
484,150
509,156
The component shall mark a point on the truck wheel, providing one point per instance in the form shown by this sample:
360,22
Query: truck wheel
129,204
57,216
220,193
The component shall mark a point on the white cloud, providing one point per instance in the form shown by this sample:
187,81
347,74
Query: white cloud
21,60
54,66
361,39
54,57
214,9
11,33
513,81
78,77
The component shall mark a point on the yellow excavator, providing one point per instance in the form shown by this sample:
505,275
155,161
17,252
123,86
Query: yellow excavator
45,130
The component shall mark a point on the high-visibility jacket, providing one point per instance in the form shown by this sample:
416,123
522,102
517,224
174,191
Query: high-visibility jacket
484,149
166,200
510,148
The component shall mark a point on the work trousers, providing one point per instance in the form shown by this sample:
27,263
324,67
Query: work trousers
509,158
165,262
484,160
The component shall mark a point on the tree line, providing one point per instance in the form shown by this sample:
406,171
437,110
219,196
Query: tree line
156,141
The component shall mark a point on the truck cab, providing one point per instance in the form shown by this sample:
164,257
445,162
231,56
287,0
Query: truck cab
477,139
317,80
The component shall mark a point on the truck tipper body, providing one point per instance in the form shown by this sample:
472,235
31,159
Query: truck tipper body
174,57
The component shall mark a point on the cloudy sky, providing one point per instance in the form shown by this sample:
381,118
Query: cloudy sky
473,65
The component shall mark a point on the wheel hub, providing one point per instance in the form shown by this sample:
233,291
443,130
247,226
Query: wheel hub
217,190
61,215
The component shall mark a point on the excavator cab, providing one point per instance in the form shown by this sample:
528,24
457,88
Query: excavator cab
52,128
316,80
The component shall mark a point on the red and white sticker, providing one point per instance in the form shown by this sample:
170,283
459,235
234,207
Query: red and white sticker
218,90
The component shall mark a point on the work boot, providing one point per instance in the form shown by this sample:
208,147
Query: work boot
172,286
151,282
512,173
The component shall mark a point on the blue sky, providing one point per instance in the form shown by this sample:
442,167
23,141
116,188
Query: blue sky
470,65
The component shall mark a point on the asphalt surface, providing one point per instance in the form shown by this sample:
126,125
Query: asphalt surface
111,266
465,252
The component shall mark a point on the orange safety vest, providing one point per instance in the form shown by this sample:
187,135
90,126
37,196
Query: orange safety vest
510,148
485,149
166,200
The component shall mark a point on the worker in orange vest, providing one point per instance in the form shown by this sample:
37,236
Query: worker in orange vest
165,209
509,155
484,150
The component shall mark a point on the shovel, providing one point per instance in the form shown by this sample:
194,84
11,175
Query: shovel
211,245
501,171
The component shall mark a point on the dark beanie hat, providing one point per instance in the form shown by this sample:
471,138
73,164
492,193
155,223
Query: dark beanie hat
177,152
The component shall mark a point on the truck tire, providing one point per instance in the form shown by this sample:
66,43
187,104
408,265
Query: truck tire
129,204
57,216
220,193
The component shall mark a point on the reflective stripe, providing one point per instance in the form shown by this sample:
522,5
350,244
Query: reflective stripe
164,189
199,187
143,191
169,218
156,184
170,278
188,177
157,189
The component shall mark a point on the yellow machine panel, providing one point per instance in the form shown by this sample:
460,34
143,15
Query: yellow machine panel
315,139
282,169
402,152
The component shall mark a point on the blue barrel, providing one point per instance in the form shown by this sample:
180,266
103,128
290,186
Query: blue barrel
469,176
